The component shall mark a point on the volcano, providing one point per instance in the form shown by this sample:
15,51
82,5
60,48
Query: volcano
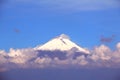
60,46
62,43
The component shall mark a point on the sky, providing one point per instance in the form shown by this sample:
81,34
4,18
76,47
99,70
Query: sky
92,24
28,23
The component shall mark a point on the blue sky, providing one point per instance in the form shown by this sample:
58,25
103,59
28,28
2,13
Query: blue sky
39,21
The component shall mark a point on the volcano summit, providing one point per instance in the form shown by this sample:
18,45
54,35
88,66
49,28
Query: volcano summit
61,43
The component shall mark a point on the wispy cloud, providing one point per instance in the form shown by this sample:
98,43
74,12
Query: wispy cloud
101,56
74,4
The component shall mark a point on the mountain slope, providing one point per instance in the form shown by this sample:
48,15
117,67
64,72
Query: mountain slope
62,43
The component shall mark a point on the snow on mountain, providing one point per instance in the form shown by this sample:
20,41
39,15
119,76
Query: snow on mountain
62,43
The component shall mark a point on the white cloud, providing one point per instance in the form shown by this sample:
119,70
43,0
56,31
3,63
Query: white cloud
100,56
116,54
42,62
104,56
21,56
81,60
118,47
102,52
3,56
2,52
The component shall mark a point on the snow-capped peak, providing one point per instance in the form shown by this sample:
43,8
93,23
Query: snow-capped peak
62,43
63,36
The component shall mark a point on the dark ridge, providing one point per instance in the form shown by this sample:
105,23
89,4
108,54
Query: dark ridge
61,74
52,54
63,41
59,54
77,54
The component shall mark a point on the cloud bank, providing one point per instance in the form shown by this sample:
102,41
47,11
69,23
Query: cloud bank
100,56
